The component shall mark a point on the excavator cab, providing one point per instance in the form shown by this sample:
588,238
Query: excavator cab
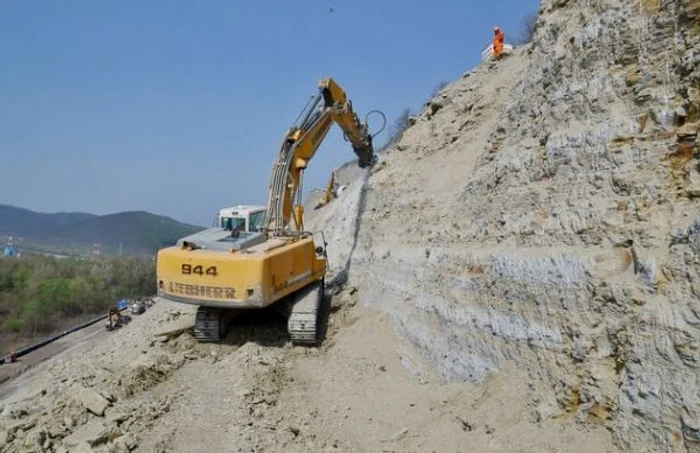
241,218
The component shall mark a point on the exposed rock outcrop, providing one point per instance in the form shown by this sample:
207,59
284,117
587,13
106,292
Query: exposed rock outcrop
546,214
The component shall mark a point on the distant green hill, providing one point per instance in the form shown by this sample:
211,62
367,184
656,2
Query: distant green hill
20,221
131,232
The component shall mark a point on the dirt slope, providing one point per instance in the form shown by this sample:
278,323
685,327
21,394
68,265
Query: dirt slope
143,392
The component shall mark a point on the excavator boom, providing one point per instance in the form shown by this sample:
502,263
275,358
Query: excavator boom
329,105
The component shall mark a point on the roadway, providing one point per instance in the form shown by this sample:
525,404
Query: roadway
38,360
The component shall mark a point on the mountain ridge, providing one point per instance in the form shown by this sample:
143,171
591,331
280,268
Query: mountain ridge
138,231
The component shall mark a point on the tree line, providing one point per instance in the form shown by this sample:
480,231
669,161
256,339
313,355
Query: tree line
39,294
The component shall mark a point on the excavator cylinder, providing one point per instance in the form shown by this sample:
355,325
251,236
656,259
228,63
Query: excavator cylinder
299,216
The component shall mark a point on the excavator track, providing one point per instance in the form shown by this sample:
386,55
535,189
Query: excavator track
211,324
207,326
303,324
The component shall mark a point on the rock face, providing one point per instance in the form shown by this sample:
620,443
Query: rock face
546,214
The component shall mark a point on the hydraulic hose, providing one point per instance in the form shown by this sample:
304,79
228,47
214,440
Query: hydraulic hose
383,125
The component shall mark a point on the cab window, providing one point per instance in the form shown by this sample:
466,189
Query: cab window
256,220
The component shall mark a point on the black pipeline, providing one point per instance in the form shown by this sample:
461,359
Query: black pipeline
33,347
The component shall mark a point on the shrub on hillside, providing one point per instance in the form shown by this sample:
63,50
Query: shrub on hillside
528,27
438,87
12,325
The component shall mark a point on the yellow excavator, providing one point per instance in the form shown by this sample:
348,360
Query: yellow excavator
224,270
330,189
328,194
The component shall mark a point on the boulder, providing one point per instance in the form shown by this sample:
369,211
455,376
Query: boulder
88,398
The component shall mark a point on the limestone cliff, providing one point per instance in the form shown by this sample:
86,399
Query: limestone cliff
543,210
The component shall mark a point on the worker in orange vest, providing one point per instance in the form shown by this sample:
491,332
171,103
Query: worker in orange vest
498,42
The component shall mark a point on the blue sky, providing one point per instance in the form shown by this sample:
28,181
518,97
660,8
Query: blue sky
178,108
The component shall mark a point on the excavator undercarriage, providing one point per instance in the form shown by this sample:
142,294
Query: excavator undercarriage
304,320
302,309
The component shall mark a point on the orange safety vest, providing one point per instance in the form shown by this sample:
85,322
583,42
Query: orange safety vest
498,42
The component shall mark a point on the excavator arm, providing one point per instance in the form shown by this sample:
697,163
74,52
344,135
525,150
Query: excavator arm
329,105
330,189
